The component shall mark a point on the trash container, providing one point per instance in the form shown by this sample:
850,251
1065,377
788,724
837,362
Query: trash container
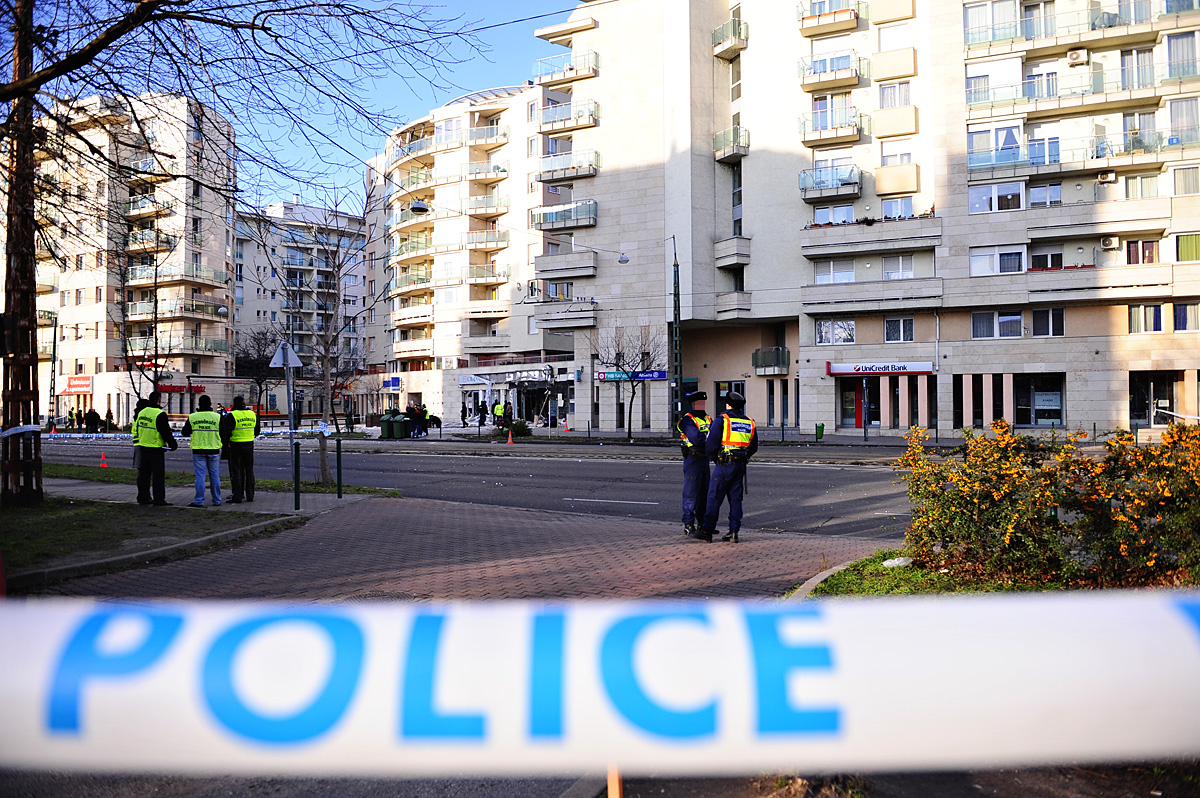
402,427
820,431
386,430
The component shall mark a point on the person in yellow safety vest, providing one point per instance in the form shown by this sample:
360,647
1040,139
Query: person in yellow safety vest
239,428
203,428
152,434
424,421
732,441
498,413
693,435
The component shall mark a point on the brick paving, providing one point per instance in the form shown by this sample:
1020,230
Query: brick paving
424,549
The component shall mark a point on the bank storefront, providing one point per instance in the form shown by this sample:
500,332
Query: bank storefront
890,395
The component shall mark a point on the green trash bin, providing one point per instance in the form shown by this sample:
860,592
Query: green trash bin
386,431
403,427
820,431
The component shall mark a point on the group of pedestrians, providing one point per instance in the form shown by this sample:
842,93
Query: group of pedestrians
419,418
212,437
729,443
90,421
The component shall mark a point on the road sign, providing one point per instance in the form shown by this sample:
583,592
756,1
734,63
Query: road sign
285,357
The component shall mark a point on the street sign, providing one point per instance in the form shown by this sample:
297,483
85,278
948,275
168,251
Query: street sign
615,376
285,357
299,394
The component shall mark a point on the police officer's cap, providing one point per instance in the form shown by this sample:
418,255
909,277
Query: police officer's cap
695,396
735,399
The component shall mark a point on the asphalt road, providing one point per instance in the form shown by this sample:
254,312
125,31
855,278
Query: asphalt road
835,499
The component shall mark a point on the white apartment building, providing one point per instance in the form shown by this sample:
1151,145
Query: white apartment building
949,212
464,185
133,266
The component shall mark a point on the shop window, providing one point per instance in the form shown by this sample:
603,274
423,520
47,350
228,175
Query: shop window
1039,399
898,330
1145,318
833,271
994,197
1048,322
835,331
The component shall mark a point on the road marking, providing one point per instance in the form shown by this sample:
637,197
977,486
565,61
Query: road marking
604,501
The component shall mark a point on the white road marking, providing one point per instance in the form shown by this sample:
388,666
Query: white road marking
604,501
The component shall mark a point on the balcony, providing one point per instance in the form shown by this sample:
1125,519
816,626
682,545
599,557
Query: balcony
565,265
97,111
166,346
419,247
487,138
413,281
477,344
407,218
1109,284
47,250
881,237
1050,156
413,348
45,349
1124,23
888,122
771,361
833,126
730,146
568,116
484,206
830,182
894,64
834,70
560,70
426,178
487,309
149,170
47,318
732,253
1148,217
45,280
427,145
485,239
150,241
730,39
485,171
413,316
146,206
568,166
175,309
561,217
564,315
734,305
873,296
819,17
904,178
487,275
173,273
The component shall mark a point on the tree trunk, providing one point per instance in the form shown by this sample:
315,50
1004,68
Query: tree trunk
327,395
629,411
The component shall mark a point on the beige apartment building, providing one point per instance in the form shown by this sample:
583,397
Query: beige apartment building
890,213
133,252
464,189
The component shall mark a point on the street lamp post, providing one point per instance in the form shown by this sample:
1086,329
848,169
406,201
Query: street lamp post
676,345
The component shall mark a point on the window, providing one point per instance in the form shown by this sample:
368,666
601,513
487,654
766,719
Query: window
897,331
99,295
833,271
833,214
898,208
831,111
99,260
978,89
896,152
1141,186
894,95
835,331
997,260
1187,247
1045,196
1181,55
996,324
1187,181
995,21
735,78
995,197
1185,117
1048,322
992,147
894,37
1145,318
79,263
1038,19
78,296
559,290
62,299
1141,252
1137,69
1046,257
273,316
533,111
1041,84
1187,317
897,267
532,149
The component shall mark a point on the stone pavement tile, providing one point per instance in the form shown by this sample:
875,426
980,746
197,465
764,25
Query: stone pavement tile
418,548
264,502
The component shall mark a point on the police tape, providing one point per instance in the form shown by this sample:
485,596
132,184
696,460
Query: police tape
88,436
663,687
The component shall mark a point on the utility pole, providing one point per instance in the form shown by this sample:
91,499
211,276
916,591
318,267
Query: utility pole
21,465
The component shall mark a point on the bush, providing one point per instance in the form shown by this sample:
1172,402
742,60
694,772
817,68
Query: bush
519,427
1025,512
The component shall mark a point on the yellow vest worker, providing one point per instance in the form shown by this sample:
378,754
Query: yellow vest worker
151,434
204,427
239,428
732,441
693,434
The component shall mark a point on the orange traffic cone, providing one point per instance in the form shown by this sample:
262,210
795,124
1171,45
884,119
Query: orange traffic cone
103,463
510,440
565,429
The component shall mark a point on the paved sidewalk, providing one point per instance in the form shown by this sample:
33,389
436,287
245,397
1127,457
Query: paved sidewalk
422,549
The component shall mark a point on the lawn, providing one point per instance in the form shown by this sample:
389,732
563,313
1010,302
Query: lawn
128,476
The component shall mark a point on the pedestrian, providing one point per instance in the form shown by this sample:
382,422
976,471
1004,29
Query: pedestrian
498,413
92,419
732,441
239,427
508,414
693,437
137,451
204,430
464,413
79,421
70,418
152,435
108,421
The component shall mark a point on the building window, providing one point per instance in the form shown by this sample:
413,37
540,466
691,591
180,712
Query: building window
99,260
996,324
1187,181
833,271
1187,317
835,331
894,95
1045,196
78,296
735,78
986,22
898,267
1048,322
1137,252
833,214
898,208
1141,186
997,260
1181,55
79,263
995,197
559,290
1187,247
993,147
897,331
99,294
1145,318
62,299
896,152
1046,257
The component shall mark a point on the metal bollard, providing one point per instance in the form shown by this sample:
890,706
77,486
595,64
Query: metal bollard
296,472
339,466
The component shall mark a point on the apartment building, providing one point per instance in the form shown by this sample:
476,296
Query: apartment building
463,186
302,274
133,243
949,212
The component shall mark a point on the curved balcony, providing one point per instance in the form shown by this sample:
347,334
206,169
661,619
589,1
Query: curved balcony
730,39
413,348
143,241
414,316
417,248
410,283
418,179
484,206
173,273
568,166
485,239
146,206
560,70
428,145
407,220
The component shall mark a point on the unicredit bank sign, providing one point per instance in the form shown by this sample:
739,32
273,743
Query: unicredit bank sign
867,369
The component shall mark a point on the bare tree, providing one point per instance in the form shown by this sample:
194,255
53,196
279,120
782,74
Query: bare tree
253,351
631,352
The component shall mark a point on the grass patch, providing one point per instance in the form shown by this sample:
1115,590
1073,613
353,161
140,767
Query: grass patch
128,476
868,577
61,528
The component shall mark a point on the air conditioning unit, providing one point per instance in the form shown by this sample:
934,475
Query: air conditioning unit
1107,177
1077,57
1110,243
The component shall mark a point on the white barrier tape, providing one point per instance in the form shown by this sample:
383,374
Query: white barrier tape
88,436
20,430
670,688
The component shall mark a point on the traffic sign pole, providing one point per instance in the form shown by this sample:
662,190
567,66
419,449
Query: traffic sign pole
287,359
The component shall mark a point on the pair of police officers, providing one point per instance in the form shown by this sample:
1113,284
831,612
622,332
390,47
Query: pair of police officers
729,442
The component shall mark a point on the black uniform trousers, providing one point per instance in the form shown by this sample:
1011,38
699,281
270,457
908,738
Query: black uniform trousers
728,479
152,475
695,488
241,470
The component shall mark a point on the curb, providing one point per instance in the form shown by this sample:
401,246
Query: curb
46,576
587,787
801,593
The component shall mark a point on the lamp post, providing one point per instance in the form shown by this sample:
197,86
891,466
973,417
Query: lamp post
676,345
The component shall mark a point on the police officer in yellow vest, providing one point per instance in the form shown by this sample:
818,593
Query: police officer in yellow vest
693,435
732,441
152,434
239,428
498,413
203,427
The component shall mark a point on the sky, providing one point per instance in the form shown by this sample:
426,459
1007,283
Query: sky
505,58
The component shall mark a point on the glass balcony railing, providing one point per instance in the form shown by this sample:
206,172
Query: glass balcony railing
583,159
818,7
451,138
830,177
173,272
1052,86
419,177
1069,23
771,357
1052,150
829,119
485,168
485,204
490,132
167,345
733,137
150,238
46,318
733,29
488,272
827,65
585,61
580,111
174,307
477,238
581,212
147,202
